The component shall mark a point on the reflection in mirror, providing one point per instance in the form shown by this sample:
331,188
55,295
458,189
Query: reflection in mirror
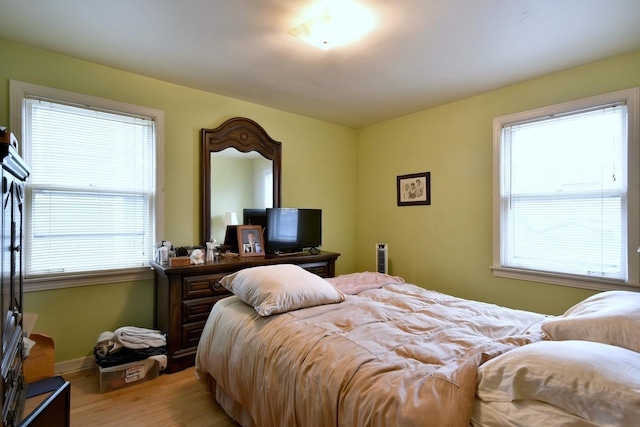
238,180
241,168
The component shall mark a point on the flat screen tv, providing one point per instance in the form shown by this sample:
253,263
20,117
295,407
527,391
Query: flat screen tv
293,230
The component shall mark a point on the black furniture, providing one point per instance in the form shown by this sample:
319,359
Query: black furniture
53,399
12,387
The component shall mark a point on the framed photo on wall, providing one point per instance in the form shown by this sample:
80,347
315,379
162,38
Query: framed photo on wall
250,241
414,189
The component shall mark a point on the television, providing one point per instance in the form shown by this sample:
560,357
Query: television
251,216
293,230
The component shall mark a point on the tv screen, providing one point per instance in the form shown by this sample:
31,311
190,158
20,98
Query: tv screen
310,228
293,229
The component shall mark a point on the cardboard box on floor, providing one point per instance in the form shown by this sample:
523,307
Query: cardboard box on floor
39,364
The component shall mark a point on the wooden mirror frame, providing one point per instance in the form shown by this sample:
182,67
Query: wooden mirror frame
244,135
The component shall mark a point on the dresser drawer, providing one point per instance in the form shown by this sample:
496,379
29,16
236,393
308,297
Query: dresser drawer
191,334
196,310
202,286
319,268
13,380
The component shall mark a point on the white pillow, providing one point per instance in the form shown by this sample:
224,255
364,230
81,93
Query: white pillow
280,288
609,317
597,382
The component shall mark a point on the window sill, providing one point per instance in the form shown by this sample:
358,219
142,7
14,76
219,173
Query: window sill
565,280
97,278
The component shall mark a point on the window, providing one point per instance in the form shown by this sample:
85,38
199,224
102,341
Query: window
268,187
566,182
92,205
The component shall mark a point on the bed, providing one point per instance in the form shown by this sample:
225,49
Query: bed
368,349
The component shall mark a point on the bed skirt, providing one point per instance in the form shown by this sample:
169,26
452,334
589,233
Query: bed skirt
235,410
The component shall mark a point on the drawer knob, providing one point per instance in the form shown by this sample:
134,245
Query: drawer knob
217,285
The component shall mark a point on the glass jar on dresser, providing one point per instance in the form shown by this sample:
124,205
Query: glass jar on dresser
185,295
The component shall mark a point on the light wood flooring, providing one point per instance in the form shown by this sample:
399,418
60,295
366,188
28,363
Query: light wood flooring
170,400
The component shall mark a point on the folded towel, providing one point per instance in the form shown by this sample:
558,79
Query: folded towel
105,337
136,338
106,344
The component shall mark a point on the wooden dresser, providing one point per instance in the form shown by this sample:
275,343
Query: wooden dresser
185,295
12,387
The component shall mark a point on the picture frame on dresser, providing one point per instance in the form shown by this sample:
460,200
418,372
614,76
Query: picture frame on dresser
250,242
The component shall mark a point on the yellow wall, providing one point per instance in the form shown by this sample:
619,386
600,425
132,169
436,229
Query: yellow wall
350,174
447,246
318,172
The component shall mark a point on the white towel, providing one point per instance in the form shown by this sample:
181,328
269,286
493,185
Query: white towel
137,338
105,339
106,344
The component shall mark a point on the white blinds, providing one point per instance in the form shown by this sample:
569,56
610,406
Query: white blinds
91,190
564,194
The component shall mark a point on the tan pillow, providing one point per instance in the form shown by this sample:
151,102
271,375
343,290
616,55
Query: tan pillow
609,317
597,382
280,288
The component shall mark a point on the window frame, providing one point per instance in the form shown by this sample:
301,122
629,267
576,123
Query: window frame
631,97
18,91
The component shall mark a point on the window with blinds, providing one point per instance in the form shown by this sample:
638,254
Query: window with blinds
564,205
91,205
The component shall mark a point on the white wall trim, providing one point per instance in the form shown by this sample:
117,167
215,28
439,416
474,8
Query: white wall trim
75,365
60,282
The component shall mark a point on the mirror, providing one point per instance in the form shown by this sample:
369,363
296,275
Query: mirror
241,168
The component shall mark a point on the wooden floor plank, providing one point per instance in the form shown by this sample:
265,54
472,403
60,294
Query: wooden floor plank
170,400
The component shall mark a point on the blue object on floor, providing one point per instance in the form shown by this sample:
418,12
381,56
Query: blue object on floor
44,386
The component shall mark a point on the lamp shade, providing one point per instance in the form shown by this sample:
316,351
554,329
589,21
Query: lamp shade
230,218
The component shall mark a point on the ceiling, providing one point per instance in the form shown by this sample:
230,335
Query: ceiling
422,53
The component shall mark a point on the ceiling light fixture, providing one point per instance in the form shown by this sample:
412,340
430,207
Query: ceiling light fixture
334,24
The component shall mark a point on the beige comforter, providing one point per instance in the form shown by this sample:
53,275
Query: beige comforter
398,355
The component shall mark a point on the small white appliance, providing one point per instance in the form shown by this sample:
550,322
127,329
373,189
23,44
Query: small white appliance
382,258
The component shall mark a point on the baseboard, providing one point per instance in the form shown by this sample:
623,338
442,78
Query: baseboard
75,365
